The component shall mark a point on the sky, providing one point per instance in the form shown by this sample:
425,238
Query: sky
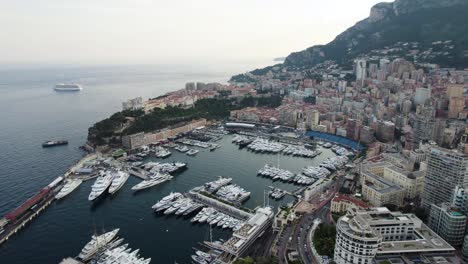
168,31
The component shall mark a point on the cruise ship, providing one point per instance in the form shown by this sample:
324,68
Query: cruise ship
120,177
67,87
69,187
100,185
96,243
152,181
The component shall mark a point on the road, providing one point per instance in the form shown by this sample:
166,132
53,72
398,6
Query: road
294,237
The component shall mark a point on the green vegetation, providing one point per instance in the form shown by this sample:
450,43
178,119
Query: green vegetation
258,260
324,239
131,122
107,127
242,78
336,216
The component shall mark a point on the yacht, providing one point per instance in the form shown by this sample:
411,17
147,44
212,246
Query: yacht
152,181
175,206
69,187
184,207
192,152
120,177
166,200
199,260
100,185
182,149
203,254
96,243
162,153
193,208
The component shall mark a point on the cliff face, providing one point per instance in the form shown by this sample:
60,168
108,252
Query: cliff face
388,23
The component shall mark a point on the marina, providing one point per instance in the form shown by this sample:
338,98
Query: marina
103,173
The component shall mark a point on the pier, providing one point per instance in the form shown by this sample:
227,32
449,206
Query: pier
220,206
12,228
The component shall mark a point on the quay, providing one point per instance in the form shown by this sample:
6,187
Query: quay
220,206
14,221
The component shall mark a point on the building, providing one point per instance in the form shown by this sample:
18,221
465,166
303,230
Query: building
421,95
360,69
253,228
377,190
384,183
364,236
455,90
341,203
446,169
366,135
140,139
312,118
465,251
133,104
449,222
353,128
456,106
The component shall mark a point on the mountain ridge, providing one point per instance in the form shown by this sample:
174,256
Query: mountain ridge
392,22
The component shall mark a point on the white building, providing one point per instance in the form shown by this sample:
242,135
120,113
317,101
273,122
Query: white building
361,71
362,236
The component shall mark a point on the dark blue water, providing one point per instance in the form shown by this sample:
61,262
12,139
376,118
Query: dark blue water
31,112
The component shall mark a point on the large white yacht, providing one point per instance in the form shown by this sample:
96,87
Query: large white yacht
69,187
100,185
152,181
120,177
96,243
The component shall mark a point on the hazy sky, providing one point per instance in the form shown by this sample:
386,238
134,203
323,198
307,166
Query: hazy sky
156,31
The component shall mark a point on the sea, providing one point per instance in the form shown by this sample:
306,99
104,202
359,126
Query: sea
31,112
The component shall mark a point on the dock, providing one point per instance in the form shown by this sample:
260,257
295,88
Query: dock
12,228
220,206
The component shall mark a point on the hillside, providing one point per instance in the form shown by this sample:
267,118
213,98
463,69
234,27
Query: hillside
421,21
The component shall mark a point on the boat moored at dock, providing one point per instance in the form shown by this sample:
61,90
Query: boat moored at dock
100,185
68,188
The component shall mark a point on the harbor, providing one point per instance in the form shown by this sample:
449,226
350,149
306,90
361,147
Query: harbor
226,199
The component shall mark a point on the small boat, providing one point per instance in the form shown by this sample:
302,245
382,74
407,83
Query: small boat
192,152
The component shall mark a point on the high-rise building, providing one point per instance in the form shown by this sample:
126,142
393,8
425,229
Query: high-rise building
449,222
312,118
367,135
465,251
456,106
446,169
377,235
455,90
361,71
422,94
353,128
